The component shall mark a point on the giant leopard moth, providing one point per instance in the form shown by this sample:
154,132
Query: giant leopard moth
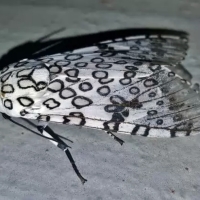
126,83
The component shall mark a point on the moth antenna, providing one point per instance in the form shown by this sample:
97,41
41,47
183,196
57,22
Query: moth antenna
50,34
115,137
63,146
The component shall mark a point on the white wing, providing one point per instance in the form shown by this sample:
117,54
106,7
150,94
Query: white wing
123,86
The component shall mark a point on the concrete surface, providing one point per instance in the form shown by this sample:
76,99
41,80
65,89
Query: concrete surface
143,169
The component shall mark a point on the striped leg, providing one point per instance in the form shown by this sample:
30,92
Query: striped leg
115,137
48,132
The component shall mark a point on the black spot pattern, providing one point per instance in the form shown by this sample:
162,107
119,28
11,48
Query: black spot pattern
8,104
97,60
73,57
81,101
80,116
81,64
100,74
150,82
85,86
152,94
72,72
25,101
129,67
138,63
159,121
152,112
103,91
103,65
116,119
51,103
121,62
55,69
129,74
7,88
160,103
72,80
154,68
67,93
24,73
62,63
5,77
56,86
134,90
106,80
125,81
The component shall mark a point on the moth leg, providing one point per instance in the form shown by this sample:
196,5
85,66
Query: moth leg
115,137
47,131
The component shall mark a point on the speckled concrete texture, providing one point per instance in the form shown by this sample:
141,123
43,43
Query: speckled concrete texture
142,169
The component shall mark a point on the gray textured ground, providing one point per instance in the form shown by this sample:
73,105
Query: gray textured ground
151,169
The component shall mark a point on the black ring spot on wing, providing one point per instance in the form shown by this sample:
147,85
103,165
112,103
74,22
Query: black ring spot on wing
104,90
51,103
116,99
177,118
73,57
55,69
129,67
125,81
72,80
100,74
134,90
81,64
67,93
160,103
97,60
62,63
121,62
85,86
8,104
171,74
56,86
138,63
106,80
24,73
78,115
152,112
103,65
152,94
113,108
81,101
150,82
25,101
7,88
154,68
159,121
129,74
5,77
72,72
41,85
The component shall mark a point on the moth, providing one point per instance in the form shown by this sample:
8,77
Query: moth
127,84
